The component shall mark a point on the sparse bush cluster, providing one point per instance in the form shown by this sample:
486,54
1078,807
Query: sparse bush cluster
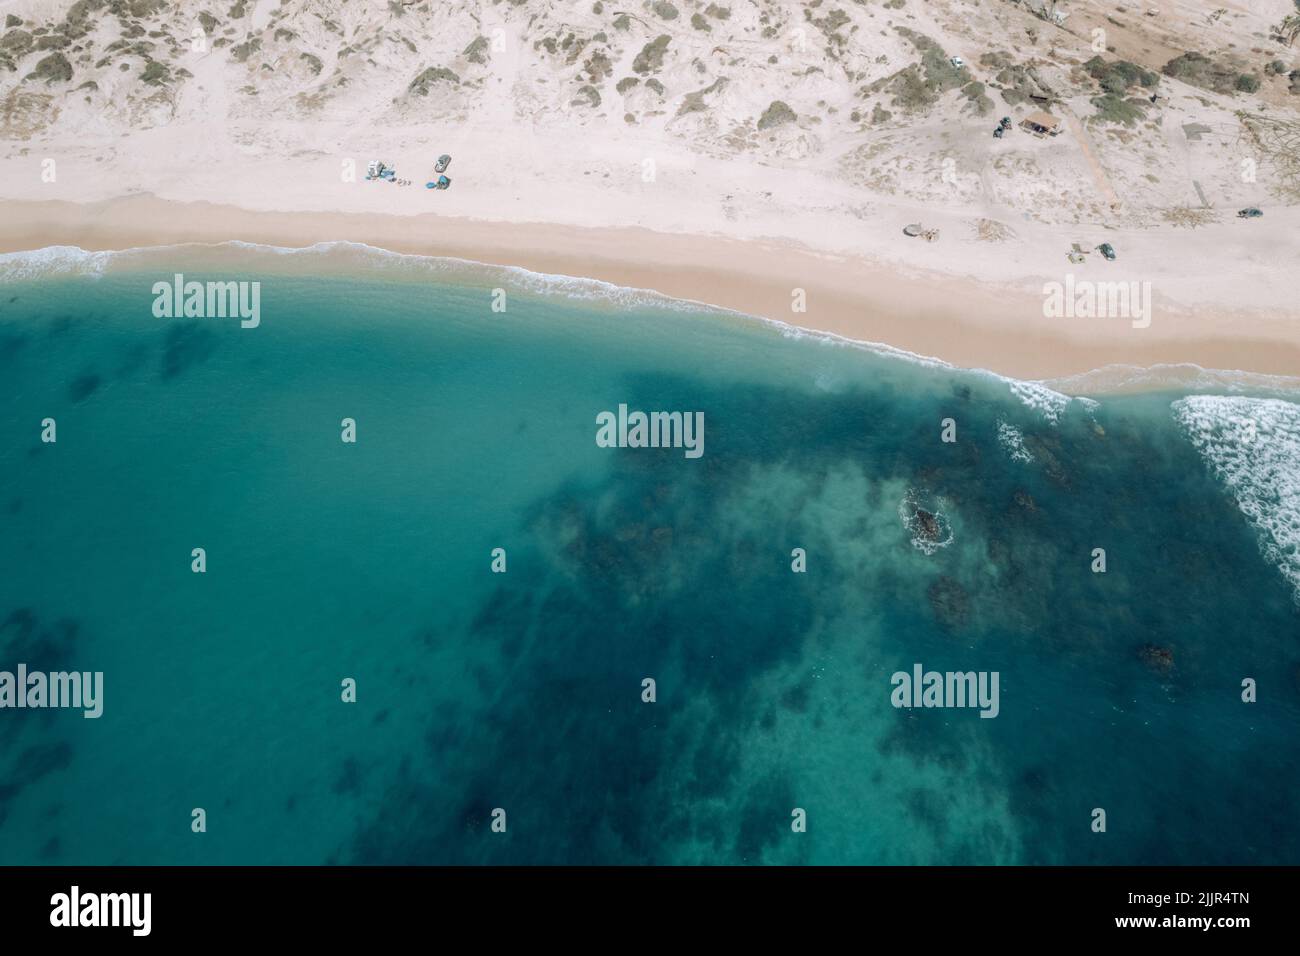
1117,77
1217,77
777,114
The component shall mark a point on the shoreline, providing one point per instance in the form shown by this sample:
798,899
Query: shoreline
960,321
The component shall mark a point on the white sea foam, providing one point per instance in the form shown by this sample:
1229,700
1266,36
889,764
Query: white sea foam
1090,405
1184,377
52,261
1252,445
516,277
1045,401
1012,439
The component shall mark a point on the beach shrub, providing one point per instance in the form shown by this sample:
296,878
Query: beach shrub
919,86
717,12
626,83
1116,109
17,43
974,92
434,74
476,52
207,21
155,73
664,10
940,74
695,102
598,66
313,62
12,21
242,51
776,114
1199,70
587,96
699,23
651,57
54,68
1247,83
655,85
1118,76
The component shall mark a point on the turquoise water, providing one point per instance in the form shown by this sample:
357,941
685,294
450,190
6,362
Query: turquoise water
523,690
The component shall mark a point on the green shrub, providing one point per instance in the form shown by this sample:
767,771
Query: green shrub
776,114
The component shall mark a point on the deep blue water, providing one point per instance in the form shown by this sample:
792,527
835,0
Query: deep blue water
523,691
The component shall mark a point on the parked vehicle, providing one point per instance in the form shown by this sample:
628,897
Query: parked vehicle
1250,212
443,162
1107,250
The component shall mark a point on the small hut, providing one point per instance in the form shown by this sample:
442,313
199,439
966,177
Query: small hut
1041,124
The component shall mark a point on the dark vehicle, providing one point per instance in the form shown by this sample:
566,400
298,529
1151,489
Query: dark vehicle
443,162
1250,213
1006,122
443,183
1107,250
997,132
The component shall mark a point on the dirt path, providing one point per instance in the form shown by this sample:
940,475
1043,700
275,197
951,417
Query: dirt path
1085,145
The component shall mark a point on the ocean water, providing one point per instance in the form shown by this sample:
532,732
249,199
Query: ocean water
522,691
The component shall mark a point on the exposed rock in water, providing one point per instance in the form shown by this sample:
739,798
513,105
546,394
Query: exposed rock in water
1025,500
1159,659
927,525
1041,449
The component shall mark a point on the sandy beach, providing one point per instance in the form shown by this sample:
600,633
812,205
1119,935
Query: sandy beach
956,319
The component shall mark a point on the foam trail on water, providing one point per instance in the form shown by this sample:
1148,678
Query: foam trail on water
1252,445
52,261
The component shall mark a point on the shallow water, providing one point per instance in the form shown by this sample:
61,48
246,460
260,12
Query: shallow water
523,691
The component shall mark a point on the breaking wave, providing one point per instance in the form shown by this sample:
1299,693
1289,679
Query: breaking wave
1252,445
